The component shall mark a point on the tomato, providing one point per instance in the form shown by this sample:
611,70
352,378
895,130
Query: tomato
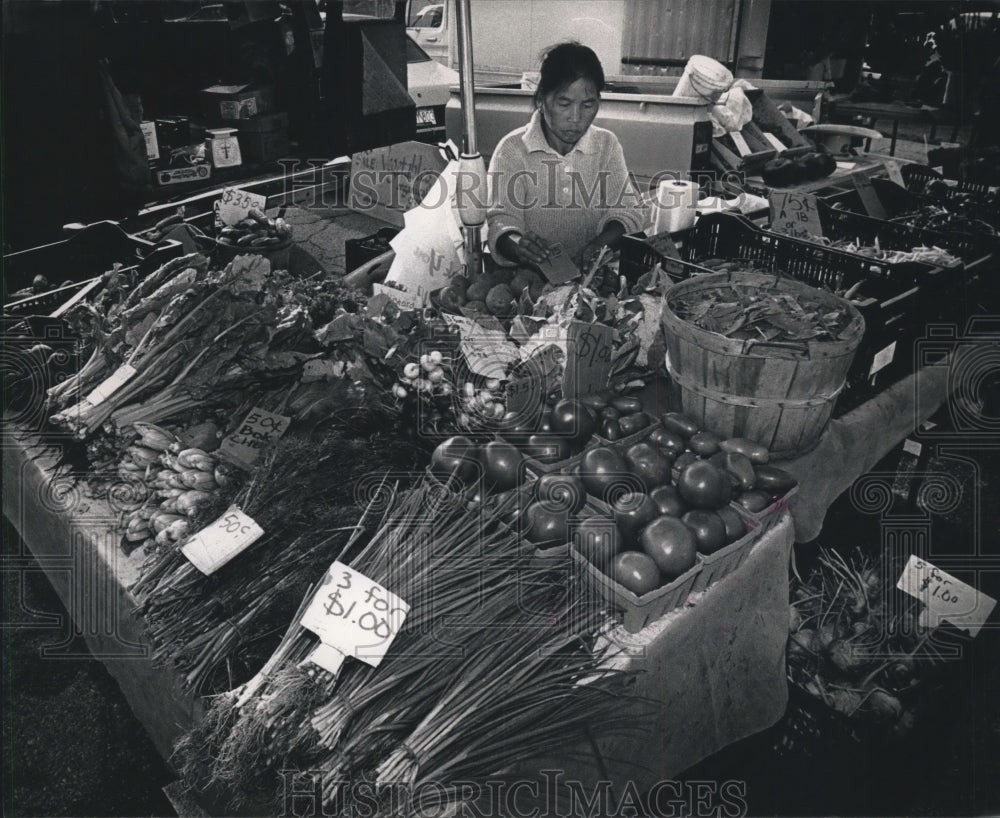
548,448
775,480
634,423
703,444
501,465
709,530
597,400
669,501
611,429
757,453
456,456
597,539
561,492
735,527
543,524
683,460
649,464
671,544
603,469
633,511
738,467
755,500
610,413
626,405
676,422
667,441
637,572
573,419
703,485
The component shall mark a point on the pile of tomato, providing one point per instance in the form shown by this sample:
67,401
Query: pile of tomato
639,498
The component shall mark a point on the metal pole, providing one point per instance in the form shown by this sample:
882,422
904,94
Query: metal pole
472,206
466,75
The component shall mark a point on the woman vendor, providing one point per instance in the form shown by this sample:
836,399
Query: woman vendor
561,179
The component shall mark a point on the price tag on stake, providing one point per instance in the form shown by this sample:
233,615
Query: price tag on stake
235,205
945,597
327,657
557,268
795,214
110,385
355,615
488,352
219,542
258,430
882,358
869,198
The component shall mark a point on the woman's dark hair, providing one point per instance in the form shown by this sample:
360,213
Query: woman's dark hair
564,64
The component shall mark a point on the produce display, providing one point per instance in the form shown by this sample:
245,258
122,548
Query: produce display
747,312
453,702
926,255
855,644
950,219
257,232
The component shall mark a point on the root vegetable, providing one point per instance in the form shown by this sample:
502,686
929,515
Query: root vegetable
883,706
848,658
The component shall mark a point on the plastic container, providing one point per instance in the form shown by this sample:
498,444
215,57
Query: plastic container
704,78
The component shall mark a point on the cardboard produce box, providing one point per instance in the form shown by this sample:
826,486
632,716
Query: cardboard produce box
235,103
264,138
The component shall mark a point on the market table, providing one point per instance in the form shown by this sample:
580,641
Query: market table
71,536
716,667
874,111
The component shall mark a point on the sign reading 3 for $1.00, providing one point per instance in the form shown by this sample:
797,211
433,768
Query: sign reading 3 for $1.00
355,615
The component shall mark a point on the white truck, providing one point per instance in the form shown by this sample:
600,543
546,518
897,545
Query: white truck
630,36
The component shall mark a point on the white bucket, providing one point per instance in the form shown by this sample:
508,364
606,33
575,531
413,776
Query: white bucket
705,78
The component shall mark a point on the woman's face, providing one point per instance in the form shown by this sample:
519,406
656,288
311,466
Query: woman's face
568,113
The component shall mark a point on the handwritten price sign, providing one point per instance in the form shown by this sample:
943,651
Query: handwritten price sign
235,205
355,615
945,597
218,543
588,358
795,214
259,429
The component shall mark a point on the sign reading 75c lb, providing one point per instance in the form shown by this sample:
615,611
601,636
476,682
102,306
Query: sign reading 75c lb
355,615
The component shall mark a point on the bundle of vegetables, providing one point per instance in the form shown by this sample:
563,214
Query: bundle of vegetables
109,333
489,668
304,496
201,341
950,219
257,232
925,255
855,643
183,485
746,312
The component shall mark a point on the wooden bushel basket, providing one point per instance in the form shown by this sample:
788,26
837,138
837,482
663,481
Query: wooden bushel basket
778,394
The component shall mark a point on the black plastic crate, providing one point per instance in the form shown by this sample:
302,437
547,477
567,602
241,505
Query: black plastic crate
359,251
728,235
637,256
841,223
895,300
86,254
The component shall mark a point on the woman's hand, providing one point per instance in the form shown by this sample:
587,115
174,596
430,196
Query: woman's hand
589,254
527,249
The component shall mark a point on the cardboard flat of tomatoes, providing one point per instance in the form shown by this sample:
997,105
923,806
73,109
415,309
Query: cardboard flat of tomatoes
638,611
764,521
